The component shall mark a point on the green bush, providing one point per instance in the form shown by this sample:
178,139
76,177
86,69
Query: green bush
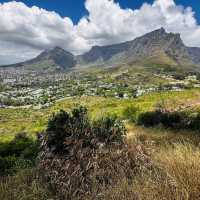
194,121
17,146
19,153
10,165
176,120
76,125
131,113
7,165
149,119
109,129
64,125
173,120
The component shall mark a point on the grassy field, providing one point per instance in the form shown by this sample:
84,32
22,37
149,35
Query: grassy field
174,154
13,121
174,174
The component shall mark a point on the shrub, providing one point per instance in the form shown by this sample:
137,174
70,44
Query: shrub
56,130
65,125
21,152
176,119
10,165
109,129
131,113
149,119
194,121
173,120
93,155
16,146
7,165
76,125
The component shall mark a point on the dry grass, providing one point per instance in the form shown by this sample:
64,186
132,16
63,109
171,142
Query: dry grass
182,163
176,171
160,136
176,178
174,174
24,186
121,191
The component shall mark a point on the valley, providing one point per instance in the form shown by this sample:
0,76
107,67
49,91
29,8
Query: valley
40,90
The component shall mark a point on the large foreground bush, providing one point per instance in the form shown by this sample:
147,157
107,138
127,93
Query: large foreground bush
65,127
81,159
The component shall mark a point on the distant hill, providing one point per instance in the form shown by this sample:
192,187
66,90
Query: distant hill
157,46
56,59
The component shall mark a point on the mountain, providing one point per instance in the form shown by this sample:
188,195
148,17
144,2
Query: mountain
158,43
194,53
49,60
157,47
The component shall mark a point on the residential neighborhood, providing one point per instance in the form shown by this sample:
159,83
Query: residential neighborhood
22,88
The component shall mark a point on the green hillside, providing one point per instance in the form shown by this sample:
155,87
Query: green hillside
32,121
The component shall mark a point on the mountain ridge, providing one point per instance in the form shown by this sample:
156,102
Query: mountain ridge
157,42
141,47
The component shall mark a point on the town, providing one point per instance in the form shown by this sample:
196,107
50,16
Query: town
22,88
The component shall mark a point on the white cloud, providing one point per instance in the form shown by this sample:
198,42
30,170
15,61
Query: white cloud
25,31
108,22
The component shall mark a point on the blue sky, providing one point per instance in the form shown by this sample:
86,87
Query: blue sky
77,25
75,8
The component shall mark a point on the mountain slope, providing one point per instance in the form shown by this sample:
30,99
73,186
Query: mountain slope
194,53
151,44
49,60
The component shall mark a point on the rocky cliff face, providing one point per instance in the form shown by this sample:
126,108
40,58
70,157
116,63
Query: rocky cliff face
151,44
194,53
103,53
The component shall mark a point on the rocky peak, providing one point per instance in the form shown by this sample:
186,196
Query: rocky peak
61,58
156,34
160,31
55,51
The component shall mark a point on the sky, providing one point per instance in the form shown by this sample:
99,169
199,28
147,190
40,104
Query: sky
28,27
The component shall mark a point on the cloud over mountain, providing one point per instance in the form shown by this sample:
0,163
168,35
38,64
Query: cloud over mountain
25,31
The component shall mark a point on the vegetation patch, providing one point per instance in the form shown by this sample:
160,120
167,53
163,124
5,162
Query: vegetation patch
20,153
81,158
175,120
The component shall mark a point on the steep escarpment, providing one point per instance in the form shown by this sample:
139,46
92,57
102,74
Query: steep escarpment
150,45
